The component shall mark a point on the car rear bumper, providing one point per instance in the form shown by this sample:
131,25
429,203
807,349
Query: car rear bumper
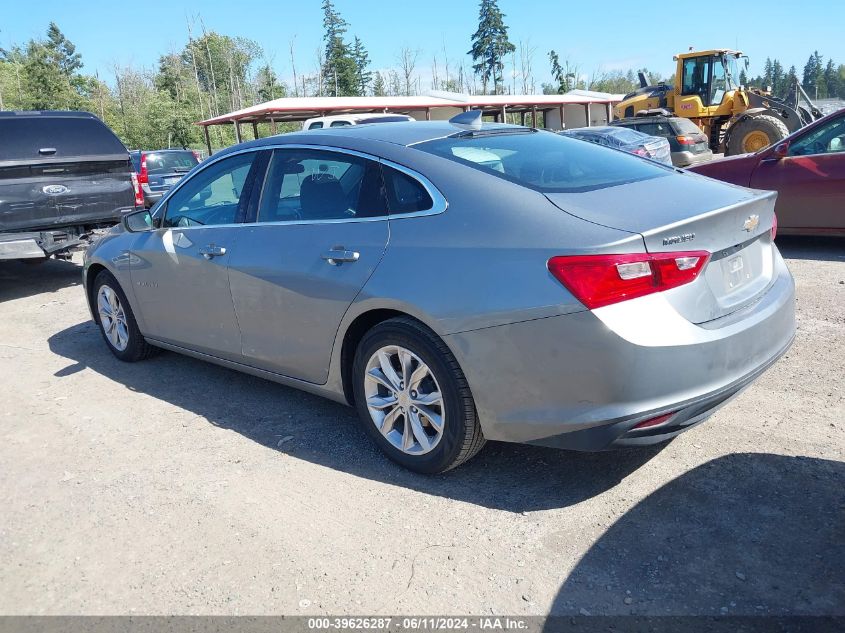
685,159
573,382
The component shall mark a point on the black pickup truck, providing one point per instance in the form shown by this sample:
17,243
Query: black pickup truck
63,175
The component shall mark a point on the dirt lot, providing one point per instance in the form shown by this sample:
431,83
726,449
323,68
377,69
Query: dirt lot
175,486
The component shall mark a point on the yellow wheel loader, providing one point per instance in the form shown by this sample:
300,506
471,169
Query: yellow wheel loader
735,118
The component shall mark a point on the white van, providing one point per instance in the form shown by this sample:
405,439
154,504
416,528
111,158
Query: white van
341,120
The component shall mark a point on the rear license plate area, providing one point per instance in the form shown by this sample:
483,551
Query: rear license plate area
172,180
736,271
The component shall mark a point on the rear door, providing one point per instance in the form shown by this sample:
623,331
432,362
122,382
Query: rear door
180,272
810,179
320,232
61,171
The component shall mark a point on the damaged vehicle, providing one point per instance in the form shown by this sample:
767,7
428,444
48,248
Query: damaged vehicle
63,176
458,282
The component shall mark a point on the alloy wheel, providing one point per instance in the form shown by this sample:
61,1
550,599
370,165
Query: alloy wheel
404,400
112,318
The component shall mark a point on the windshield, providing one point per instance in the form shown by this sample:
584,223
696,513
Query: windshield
546,162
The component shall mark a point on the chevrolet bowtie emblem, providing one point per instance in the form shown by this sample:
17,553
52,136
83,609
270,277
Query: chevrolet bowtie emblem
751,222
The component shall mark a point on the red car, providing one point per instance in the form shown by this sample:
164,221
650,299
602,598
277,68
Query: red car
807,169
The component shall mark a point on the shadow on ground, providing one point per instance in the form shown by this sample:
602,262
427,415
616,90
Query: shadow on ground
503,476
744,534
19,279
827,249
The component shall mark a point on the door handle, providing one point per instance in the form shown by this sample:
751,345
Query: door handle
338,255
211,251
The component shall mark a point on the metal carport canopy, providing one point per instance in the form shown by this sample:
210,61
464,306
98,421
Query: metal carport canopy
300,108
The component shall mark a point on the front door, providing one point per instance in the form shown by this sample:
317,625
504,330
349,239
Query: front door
180,271
810,179
320,231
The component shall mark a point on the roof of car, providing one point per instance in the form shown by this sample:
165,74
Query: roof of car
69,114
646,119
403,133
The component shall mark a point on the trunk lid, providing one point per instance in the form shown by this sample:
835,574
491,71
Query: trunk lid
683,212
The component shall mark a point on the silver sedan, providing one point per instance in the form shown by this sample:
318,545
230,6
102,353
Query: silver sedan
456,283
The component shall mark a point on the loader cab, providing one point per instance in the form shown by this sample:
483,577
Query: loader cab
708,76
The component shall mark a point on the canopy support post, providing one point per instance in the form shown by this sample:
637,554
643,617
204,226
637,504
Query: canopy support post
207,139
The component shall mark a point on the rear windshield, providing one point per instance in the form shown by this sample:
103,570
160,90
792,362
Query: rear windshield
166,162
685,126
36,137
544,161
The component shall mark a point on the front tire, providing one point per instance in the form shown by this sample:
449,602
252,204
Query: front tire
755,133
413,399
117,322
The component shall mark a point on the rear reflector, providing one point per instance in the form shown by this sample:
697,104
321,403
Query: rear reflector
601,280
660,419
774,226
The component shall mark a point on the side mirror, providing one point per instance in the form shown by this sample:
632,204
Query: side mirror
138,221
780,150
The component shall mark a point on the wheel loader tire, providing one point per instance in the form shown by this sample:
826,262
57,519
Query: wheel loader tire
755,133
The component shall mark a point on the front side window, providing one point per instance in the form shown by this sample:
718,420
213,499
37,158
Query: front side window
314,185
544,161
213,195
316,126
827,139
719,85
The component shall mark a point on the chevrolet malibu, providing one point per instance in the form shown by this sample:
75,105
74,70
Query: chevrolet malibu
456,283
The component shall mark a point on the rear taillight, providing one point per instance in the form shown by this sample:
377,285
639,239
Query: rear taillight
640,152
600,280
685,140
143,175
139,195
774,226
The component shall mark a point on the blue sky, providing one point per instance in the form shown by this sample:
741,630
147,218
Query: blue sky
595,35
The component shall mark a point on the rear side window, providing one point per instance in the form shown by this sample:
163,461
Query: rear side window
404,193
543,161
656,128
35,137
685,126
165,162
340,123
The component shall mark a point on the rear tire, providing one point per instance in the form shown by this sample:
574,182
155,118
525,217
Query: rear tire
413,399
755,133
117,322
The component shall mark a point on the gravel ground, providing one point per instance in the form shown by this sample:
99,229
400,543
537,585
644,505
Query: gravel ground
177,487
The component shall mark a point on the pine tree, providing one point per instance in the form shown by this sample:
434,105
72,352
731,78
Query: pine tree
812,73
267,86
831,79
339,70
362,61
767,73
379,86
490,45
778,85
